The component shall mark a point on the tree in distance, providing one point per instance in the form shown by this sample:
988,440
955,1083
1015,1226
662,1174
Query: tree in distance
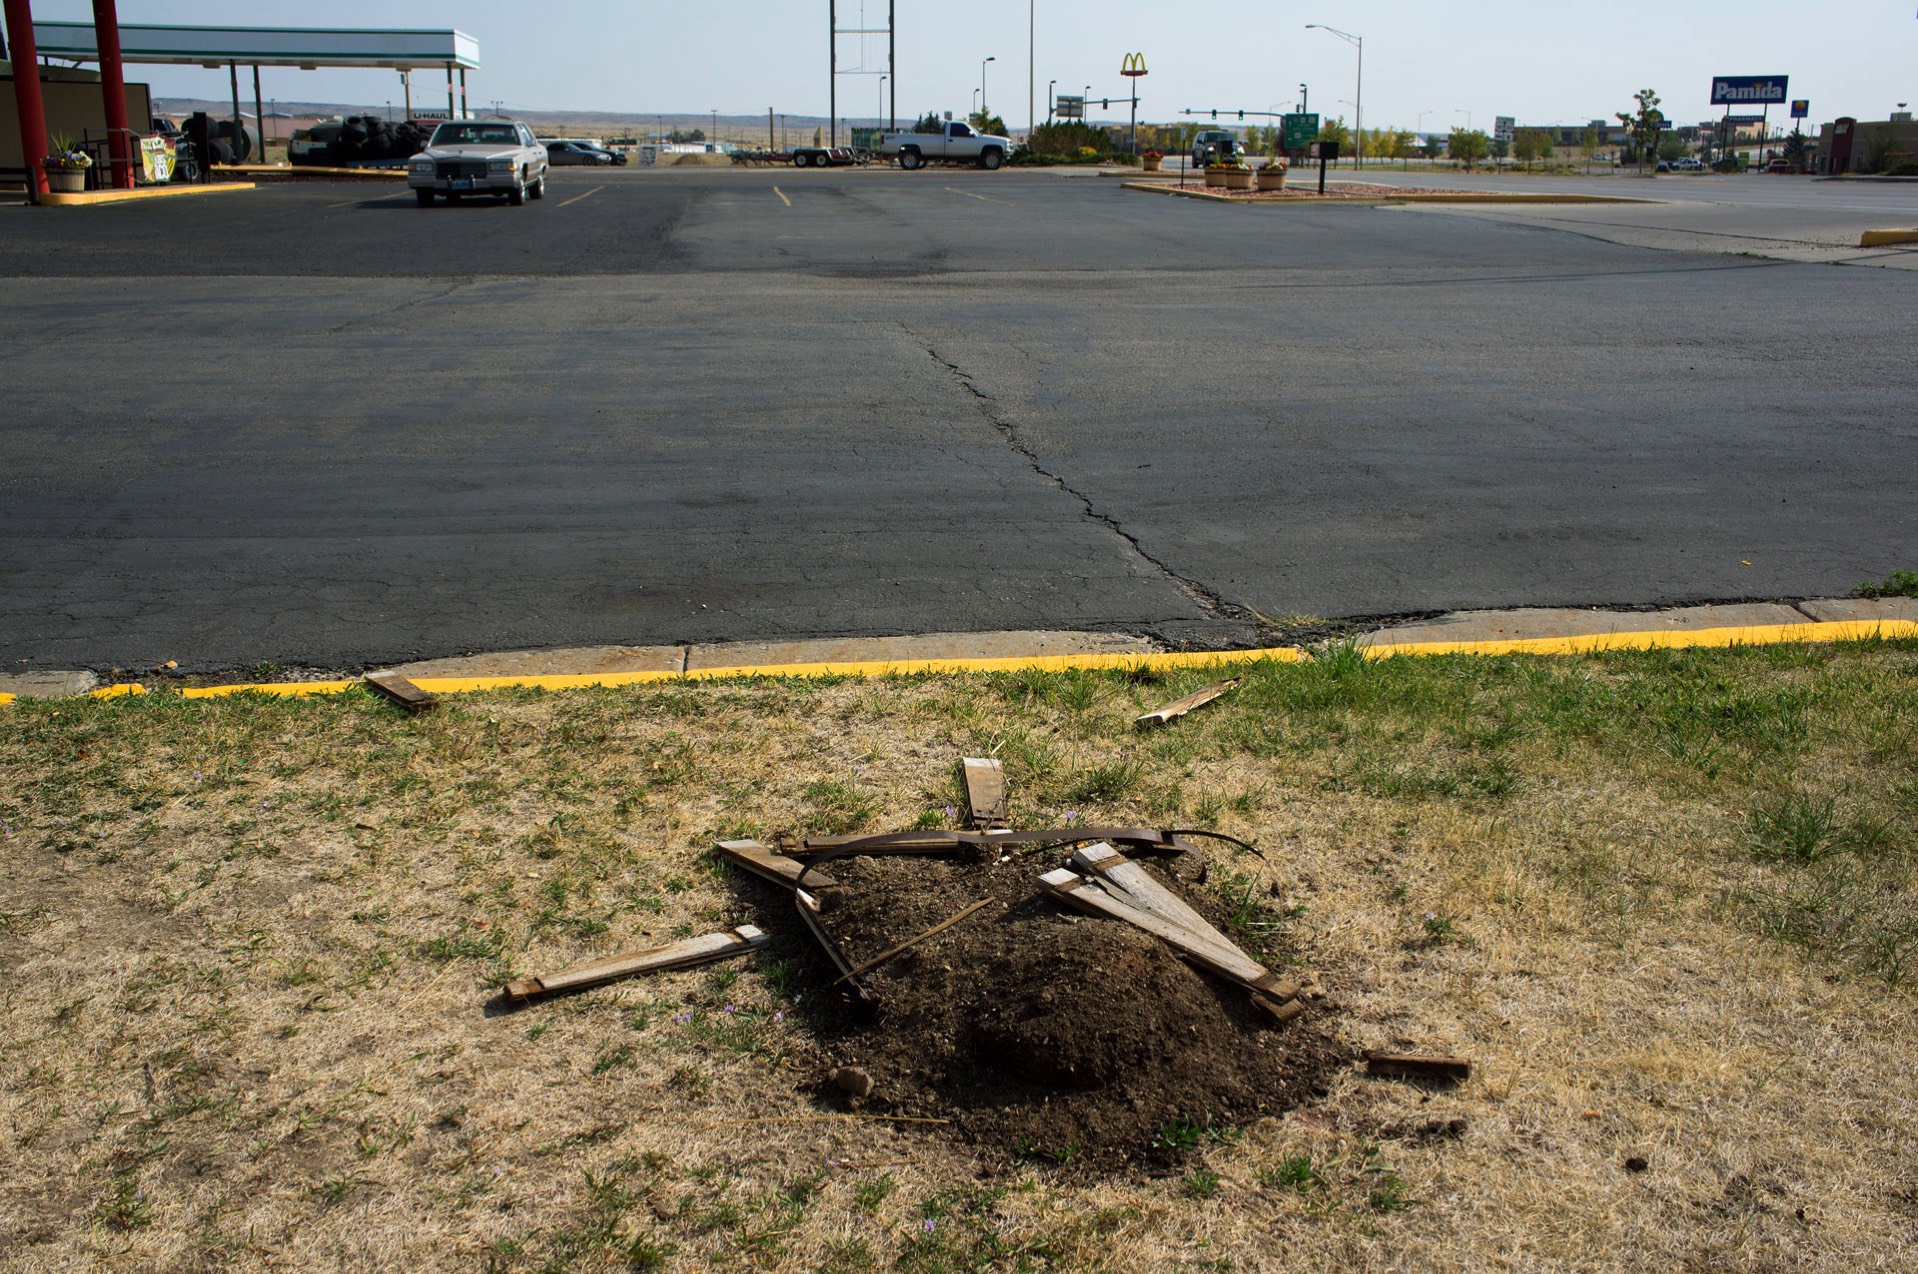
1468,145
1643,126
928,123
1335,130
1500,149
988,125
1671,146
1588,147
1530,145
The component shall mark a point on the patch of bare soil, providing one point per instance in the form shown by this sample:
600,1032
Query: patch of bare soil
1040,1032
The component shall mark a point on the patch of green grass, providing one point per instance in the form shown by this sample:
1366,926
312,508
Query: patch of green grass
1897,584
1201,1183
834,807
870,1192
1294,1173
1189,1134
1107,782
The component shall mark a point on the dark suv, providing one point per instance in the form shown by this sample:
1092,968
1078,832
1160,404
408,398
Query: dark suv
1216,146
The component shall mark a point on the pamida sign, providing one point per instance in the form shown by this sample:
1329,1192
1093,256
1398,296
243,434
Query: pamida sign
1748,90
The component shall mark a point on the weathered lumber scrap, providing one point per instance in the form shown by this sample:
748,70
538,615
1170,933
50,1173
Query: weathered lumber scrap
397,689
809,914
985,790
769,864
1413,1066
1141,888
1269,990
674,955
1179,707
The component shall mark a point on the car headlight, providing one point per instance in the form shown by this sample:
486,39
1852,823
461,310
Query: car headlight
499,165
422,166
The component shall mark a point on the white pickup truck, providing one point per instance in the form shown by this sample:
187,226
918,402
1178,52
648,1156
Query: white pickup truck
958,143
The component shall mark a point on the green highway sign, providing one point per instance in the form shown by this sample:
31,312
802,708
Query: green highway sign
1300,131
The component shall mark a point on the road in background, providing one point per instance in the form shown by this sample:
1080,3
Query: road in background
317,425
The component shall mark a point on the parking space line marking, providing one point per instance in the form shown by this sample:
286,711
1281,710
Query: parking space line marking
782,196
376,199
982,198
576,198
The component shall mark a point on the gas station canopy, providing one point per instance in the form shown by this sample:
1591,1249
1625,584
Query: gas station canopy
307,48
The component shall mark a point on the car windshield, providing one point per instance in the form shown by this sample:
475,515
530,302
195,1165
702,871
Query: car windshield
475,135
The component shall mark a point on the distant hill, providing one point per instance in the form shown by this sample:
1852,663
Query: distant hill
605,124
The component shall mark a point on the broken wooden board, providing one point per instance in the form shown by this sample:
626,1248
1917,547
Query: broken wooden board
675,955
1234,965
809,913
1179,707
397,689
1141,888
985,790
1413,1066
769,864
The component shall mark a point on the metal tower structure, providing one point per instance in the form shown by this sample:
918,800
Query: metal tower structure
891,72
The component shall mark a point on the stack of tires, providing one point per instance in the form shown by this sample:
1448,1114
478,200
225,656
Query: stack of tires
369,139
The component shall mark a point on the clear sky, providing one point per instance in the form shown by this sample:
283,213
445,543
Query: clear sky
1426,65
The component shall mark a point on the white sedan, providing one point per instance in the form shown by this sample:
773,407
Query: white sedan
479,157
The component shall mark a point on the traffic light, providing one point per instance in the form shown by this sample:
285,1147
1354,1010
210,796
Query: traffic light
1241,115
1104,103
1215,114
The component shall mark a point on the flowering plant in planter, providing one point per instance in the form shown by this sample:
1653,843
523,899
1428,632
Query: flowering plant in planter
67,156
1153,154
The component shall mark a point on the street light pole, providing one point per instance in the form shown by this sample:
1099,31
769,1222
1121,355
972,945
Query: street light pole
1358,104
1304,97
1032,70
882,105
1052,98
982,90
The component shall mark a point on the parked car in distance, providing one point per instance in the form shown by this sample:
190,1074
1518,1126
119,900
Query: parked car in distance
564,153
1778,166
478,157
1216,146
1685,165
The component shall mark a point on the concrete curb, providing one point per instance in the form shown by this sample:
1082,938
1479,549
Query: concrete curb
1672,638
1886,238
90,198
1372,201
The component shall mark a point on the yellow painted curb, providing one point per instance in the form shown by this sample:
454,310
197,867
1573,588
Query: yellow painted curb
88,198
1886,238
1756,635
1723,638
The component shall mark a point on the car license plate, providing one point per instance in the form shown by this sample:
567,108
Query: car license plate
462,183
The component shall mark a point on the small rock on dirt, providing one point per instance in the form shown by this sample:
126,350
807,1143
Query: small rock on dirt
853,1080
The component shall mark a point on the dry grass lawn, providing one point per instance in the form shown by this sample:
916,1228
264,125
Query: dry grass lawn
1666,902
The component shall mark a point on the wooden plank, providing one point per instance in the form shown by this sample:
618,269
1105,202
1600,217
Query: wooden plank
1075,889
675,955
1416,1067
985,790
1141,888
769,864
1179,707
869,965
394,687
809,912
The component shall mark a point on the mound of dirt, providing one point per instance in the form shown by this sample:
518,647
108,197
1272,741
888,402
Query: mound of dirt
1041,1032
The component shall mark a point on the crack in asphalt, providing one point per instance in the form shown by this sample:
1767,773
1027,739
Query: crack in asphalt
1205,598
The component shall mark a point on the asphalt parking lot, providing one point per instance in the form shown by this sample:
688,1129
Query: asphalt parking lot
316,424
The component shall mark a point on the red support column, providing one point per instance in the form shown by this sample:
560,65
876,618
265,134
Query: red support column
113,87
26,93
